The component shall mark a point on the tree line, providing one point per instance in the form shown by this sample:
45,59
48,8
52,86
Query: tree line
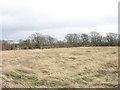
39,41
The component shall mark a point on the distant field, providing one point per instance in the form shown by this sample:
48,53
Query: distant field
81,67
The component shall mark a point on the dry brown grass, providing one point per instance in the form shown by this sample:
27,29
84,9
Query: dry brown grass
62,68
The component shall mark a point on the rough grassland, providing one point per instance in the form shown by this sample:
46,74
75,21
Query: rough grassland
80,67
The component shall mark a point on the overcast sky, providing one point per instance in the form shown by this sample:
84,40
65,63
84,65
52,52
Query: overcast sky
21,18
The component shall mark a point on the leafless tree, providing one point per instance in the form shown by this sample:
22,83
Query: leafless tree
50,41
96,39
112,39
6,45
85,39
25,44
73,39
37,40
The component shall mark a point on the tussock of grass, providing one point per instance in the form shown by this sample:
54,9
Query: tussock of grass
88,51
72,58
114,52
25,71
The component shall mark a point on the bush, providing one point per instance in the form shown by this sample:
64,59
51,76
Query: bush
30,47
25,48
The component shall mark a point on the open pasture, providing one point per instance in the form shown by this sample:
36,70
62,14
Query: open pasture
81,67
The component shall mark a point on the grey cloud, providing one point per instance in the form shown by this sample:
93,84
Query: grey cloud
24,20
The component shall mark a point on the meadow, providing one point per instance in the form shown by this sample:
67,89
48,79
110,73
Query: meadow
79,67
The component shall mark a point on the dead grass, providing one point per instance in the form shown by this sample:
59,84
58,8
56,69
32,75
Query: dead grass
62,68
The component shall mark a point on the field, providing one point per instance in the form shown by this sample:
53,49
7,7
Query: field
81,67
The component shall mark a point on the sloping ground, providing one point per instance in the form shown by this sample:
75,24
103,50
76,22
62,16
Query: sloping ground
81,67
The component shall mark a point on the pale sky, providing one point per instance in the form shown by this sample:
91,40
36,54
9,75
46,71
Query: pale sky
21,18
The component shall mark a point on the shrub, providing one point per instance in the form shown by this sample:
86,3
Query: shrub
30,47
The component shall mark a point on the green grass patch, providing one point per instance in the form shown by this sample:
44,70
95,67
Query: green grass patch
17,75
57,85
54,85
102,71
97,75
37,84
82,86
24,78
